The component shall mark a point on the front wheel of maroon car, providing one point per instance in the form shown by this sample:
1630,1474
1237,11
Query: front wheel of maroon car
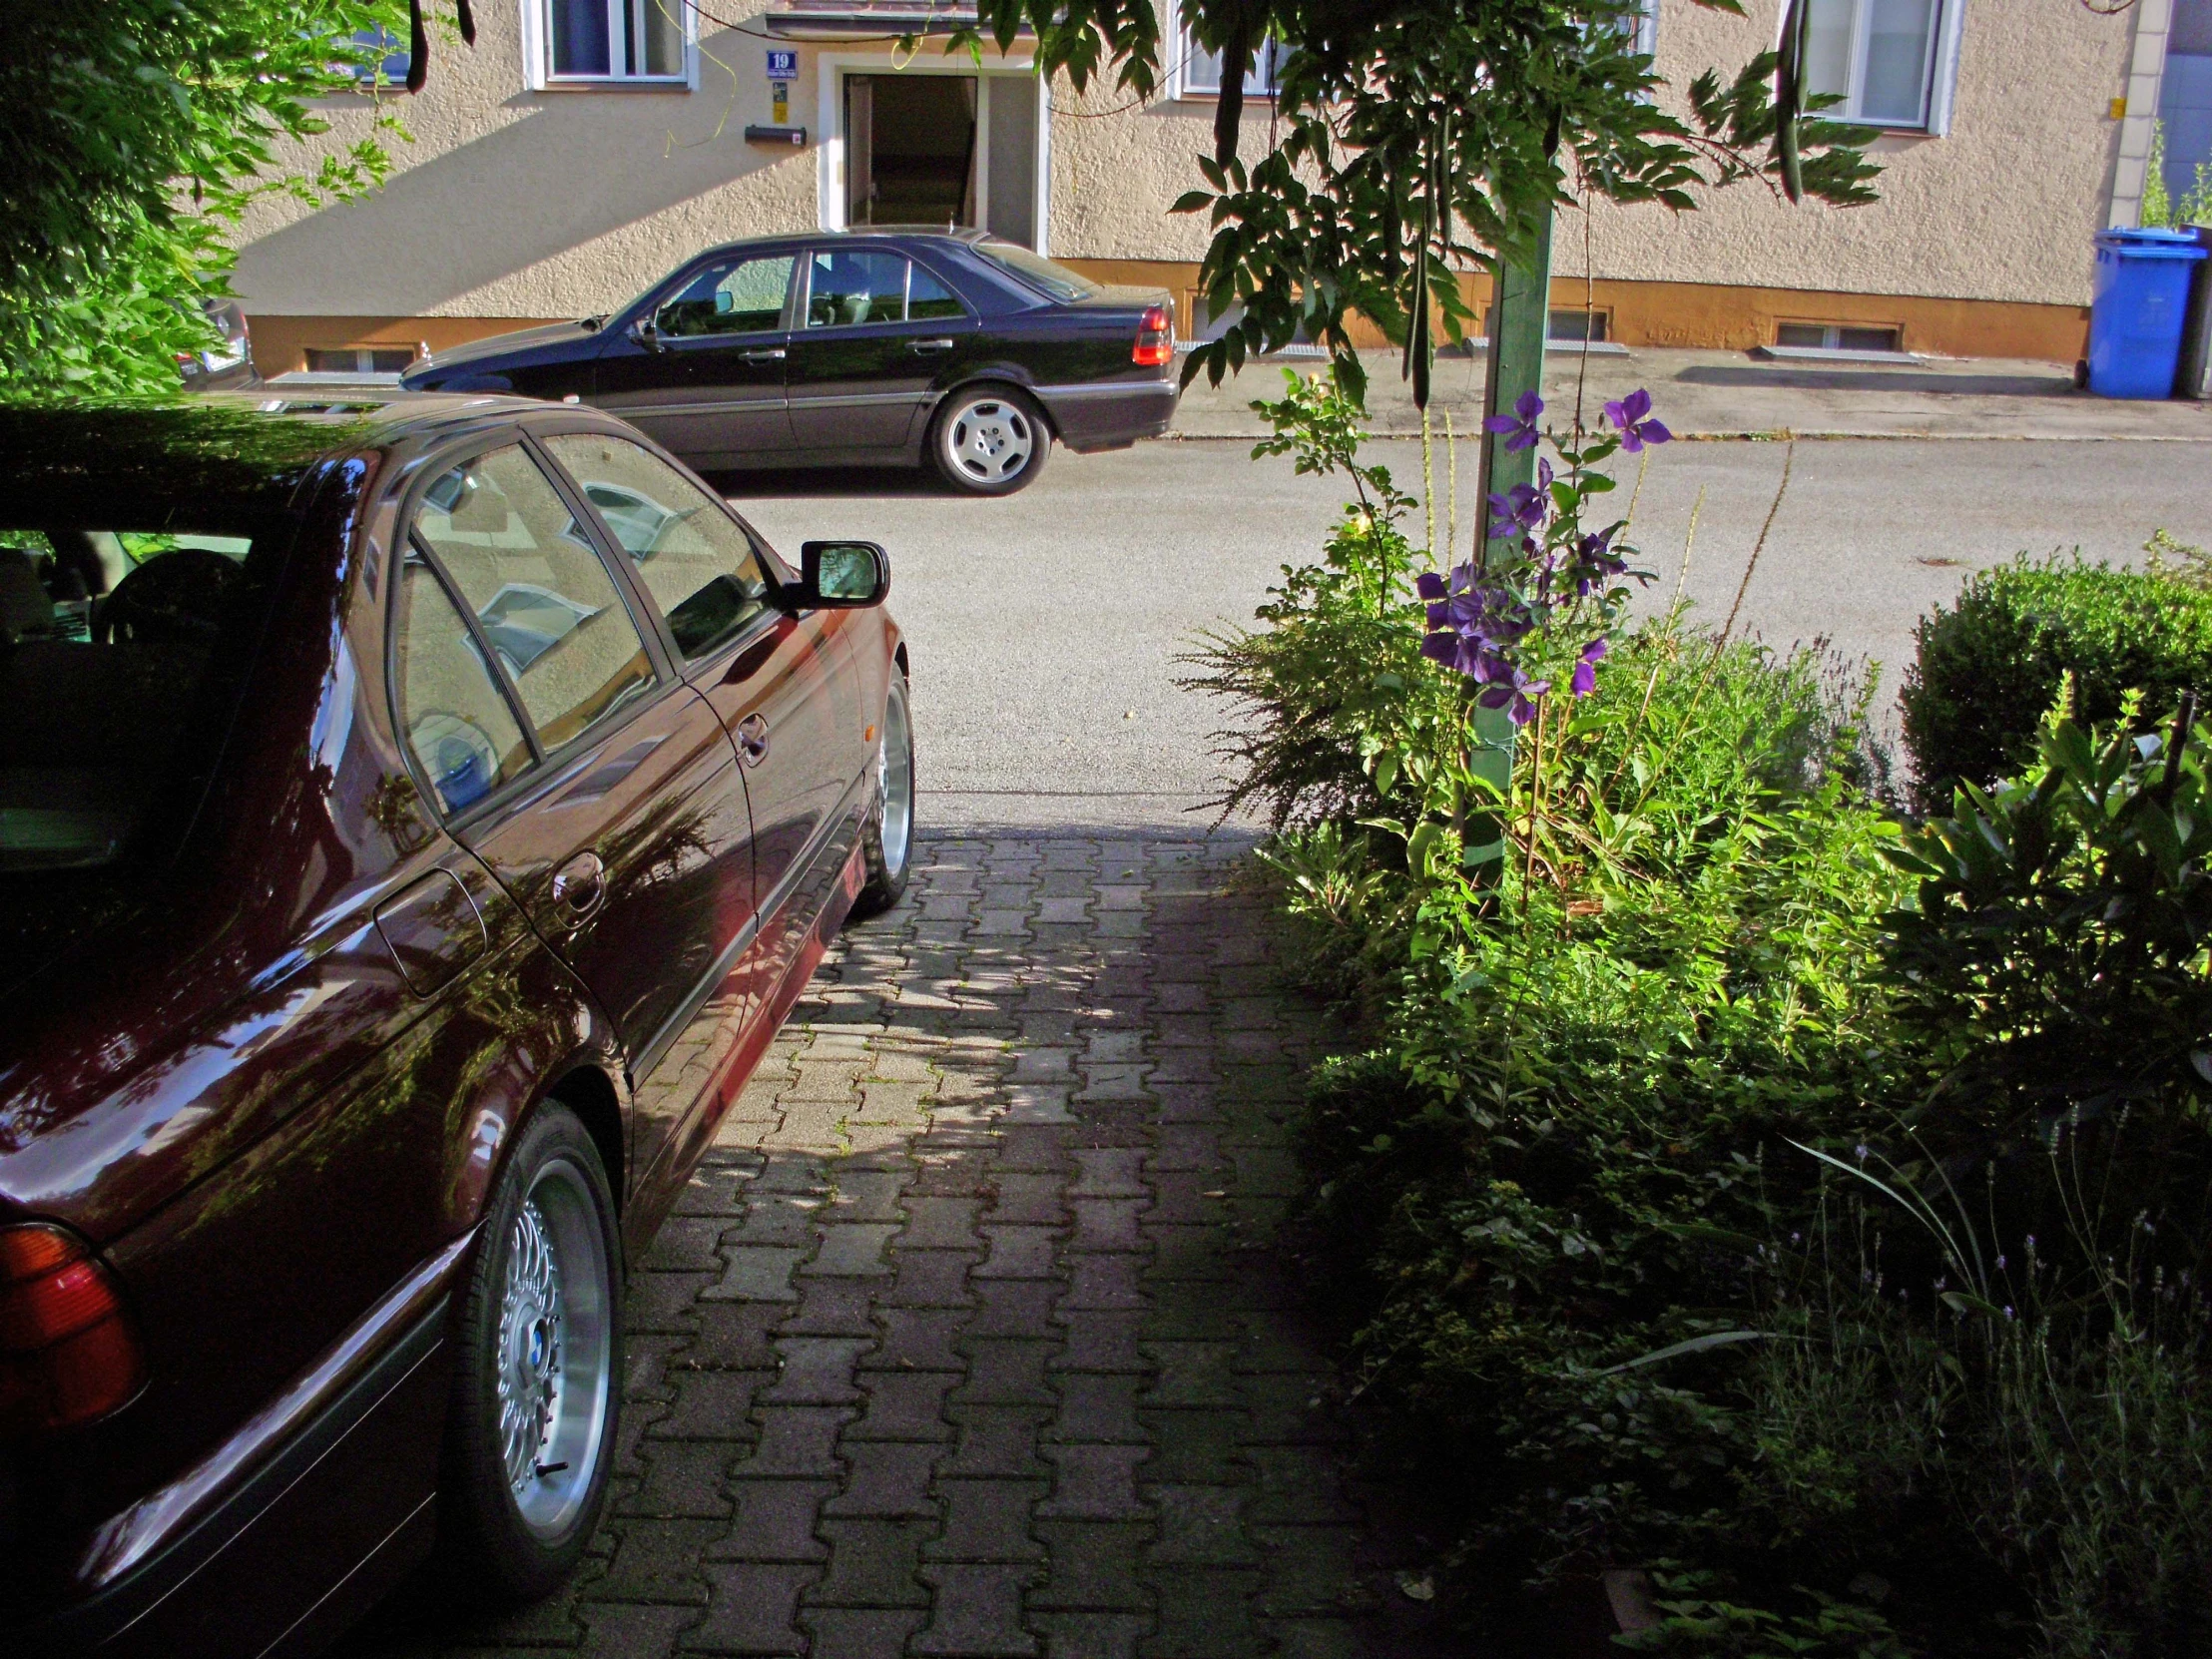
887,841
537,1389
989,440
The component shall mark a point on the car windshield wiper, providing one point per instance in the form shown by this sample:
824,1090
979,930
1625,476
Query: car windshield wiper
594,323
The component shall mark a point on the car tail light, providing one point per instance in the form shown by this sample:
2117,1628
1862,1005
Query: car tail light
1155,337
68,1353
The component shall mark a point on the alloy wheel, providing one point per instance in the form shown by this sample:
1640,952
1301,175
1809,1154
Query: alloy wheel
556,1349
990,441
894,782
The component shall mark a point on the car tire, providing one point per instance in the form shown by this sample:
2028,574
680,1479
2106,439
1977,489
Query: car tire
989,440
537,1370
887,841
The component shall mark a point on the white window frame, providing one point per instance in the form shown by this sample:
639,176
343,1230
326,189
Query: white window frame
831,68
537,50
1938,88
1645,37
1260,85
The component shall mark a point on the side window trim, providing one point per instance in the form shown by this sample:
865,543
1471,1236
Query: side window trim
667,666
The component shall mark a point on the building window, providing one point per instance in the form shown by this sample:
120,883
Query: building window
612,40
388,59
1892,62
1838,336
1642,28
1197,72
359,360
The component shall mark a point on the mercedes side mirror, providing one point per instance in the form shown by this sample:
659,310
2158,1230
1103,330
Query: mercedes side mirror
840,575
645,333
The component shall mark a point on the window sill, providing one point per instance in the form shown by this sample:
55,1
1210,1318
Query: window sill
614,83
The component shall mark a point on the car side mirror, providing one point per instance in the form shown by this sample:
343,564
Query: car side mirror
840,575
645,333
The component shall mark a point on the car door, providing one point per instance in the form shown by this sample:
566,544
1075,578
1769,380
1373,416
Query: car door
703,372
712,593
786,685
598,788
874,330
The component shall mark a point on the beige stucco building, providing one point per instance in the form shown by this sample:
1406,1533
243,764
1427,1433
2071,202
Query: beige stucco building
583,148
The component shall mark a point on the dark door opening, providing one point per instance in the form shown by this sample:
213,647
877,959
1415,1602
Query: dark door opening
910,149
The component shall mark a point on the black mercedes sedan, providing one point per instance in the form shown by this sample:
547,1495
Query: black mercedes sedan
951,349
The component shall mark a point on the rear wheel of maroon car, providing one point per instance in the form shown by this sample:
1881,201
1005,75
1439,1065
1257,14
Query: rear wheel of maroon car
887,844
537,1373
989,440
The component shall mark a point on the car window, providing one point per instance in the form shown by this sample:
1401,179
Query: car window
694,559
544,599
741,297
1049,276
845,287
110,642
454,715
927,297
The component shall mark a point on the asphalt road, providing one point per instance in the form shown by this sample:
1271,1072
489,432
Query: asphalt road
1045,627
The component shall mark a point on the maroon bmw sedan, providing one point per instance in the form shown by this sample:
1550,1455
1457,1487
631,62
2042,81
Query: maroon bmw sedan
415,819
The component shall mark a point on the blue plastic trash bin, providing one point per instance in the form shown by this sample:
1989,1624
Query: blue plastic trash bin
2141,300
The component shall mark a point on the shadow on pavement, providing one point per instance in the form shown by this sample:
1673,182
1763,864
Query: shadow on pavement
2054,384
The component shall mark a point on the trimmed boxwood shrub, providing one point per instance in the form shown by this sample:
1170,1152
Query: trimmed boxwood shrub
1989,666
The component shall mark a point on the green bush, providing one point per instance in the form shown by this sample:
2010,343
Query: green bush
1736,1182
1989,665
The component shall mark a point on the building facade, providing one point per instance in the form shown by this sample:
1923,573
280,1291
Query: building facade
583,148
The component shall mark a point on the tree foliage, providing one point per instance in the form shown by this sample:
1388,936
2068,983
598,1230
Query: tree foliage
133,134
1414,139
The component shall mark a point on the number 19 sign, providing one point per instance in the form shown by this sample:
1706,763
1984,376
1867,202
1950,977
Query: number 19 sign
783,69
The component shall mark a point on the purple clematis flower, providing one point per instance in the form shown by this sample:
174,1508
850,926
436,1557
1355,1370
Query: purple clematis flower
1521,423
1596,562
1518,511
1585,671
1629,418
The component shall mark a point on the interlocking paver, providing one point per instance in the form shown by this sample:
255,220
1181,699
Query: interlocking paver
969,1337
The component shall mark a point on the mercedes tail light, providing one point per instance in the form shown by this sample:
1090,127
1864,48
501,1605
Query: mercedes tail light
1155,337
68,1352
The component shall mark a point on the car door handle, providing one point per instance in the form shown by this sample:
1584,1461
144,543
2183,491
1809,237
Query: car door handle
767,354
930,345
752,740
579,885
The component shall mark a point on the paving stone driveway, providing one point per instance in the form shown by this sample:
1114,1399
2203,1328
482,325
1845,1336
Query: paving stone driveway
969,1337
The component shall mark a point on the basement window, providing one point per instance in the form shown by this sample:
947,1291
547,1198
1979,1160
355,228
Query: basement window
1567,325
359,360
1839,337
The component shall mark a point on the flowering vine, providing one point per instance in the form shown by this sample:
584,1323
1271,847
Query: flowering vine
1494,621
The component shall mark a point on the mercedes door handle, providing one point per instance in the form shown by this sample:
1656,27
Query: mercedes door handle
930,345
580,885
752,740
767,354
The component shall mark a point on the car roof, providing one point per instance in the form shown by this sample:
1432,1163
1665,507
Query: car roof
248,447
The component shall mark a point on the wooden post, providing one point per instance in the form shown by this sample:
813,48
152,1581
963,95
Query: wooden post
1520,317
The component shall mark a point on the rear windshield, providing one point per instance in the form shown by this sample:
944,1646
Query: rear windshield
113,642
1037,270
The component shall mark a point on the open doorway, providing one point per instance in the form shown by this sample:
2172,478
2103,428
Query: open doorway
911,143
934,149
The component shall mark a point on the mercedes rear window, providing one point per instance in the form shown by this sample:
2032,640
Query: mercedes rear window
1038,271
